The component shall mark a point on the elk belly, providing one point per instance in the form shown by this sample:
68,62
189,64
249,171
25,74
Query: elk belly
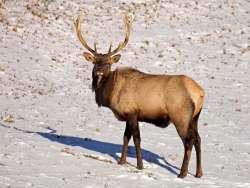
161,121
155,114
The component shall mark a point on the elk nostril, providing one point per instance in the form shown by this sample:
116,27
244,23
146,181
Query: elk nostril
99,73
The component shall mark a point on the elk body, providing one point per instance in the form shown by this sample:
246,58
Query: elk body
134,96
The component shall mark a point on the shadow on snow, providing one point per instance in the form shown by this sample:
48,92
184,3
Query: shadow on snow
108,148
103,147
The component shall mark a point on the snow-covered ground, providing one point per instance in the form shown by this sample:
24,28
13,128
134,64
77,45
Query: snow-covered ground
52,134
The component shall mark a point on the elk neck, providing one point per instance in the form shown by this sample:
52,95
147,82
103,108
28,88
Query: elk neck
103,93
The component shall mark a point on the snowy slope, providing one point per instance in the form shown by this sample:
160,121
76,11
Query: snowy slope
60,138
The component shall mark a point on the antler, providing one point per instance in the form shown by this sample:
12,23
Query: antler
81,38
128,24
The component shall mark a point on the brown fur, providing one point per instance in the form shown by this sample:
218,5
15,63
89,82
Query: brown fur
155,99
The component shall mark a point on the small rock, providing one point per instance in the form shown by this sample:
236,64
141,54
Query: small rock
8,119
146,42
160,55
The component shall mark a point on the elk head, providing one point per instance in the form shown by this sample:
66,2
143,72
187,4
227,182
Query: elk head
102,62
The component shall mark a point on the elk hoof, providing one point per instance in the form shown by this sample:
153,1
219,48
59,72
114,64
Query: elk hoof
140,167
182,175
122,162
198,175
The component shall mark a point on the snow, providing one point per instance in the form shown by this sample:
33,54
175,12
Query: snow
45,88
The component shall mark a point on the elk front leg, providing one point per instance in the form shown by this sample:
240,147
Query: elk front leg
134,128
126,138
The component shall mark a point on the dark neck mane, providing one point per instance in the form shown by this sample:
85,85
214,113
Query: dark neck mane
103,93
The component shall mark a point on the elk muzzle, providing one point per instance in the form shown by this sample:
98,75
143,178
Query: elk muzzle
99,76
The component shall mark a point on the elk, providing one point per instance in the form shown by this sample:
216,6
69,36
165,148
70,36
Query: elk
135,96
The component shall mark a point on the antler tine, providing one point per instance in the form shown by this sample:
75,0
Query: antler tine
95,44
80,36
128,24
110,47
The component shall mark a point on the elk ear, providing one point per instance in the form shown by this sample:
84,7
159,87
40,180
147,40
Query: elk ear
89,57
115,58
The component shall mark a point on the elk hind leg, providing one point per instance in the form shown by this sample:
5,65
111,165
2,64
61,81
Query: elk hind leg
183,125
197,145
188,143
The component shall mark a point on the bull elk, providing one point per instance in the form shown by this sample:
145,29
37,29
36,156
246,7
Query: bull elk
134,96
